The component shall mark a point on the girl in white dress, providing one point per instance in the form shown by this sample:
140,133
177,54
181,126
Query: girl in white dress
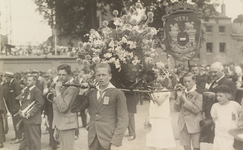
161,134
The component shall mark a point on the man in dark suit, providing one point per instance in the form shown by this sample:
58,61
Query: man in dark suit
64,123
108,112
217,71
32,118
13,105
201,78
3,112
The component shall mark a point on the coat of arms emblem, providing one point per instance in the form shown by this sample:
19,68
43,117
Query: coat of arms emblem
182,31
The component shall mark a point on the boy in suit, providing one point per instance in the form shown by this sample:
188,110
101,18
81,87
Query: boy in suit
189,103
32,119
64,122
108,112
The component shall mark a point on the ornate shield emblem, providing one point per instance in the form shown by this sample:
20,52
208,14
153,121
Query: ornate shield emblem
182,32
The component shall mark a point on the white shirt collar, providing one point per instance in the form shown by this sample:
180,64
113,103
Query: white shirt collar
109,86
219,79
11,80
31,87
70,81
192,89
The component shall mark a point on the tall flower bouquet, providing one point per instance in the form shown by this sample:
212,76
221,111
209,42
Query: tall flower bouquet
129,48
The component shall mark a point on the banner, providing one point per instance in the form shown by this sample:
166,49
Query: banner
182,32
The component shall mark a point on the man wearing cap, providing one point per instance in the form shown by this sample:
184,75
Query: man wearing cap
32,118
13,105
40,82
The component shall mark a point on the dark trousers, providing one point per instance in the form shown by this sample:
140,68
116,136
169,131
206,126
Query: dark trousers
16,119
2,132
83,118
52,142
96,145
131,124
33,136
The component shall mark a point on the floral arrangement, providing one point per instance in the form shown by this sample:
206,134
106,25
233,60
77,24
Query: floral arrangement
129,48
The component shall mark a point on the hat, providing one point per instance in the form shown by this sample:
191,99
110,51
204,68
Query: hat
34,71
9,74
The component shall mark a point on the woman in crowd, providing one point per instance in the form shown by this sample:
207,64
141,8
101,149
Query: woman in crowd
161,135
189,103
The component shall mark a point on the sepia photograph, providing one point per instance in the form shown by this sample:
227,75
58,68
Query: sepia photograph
121,74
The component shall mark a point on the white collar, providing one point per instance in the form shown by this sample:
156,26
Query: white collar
192,89
31,87
219,79
109,86
11,80
70,81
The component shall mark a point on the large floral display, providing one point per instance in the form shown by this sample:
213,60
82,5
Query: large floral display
129,48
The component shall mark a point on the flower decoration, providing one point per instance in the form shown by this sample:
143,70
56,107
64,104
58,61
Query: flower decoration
130,46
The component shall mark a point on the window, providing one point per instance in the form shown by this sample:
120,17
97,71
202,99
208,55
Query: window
221,29
222,47
209,47
209,28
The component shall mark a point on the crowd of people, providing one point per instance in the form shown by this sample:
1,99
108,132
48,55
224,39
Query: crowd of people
38,51
208,99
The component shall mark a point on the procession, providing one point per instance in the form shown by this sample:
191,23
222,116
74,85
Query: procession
127,75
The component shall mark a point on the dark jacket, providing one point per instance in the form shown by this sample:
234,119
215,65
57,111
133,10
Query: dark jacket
35,114
13,91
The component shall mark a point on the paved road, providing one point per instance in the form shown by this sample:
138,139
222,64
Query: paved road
137,144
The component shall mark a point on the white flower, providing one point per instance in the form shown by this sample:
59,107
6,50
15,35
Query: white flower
135,62
160,65
96,60
118,22
111,44
124,40
107,55
132,44
148,60
112,60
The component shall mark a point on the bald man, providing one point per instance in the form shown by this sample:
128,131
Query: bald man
217,70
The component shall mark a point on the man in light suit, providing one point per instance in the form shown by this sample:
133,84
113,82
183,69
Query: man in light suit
32,119
64,122
13,105
108,112
189,103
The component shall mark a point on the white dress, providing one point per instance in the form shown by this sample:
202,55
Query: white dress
161,134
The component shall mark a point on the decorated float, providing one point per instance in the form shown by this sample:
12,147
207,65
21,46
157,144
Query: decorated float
130,46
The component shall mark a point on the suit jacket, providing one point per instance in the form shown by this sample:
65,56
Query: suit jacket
201,81
63,119
13,91
35,114
224,81
2,103
190,112
108,118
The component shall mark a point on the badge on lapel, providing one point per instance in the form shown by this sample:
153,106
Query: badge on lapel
28,97
106,100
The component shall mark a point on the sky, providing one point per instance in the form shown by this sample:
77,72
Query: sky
29,27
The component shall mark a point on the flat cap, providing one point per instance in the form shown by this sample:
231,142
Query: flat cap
9,74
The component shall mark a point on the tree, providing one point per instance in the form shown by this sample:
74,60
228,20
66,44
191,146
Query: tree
239,19
77,17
